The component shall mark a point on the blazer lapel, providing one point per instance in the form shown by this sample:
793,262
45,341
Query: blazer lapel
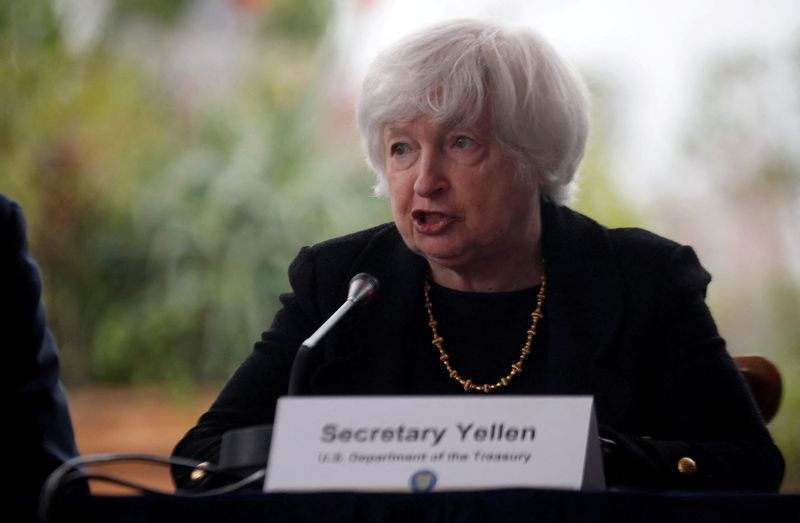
584,308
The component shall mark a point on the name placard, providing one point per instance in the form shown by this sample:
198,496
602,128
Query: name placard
401,444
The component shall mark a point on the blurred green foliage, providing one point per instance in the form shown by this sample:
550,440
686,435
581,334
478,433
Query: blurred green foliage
742,137
598,195
164,227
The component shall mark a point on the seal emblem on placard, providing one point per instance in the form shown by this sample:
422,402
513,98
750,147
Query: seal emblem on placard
422,481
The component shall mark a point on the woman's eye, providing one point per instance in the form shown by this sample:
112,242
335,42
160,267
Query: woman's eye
463,142
399,149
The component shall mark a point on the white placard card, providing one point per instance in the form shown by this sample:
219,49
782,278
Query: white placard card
401,444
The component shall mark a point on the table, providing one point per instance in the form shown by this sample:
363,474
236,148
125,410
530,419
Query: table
508,506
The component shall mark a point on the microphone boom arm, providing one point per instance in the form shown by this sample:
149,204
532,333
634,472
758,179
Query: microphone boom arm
362,287
329,323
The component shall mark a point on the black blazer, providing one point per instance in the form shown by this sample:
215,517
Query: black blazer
627,324
37,419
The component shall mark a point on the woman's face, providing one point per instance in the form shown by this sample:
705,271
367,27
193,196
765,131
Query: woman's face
455,196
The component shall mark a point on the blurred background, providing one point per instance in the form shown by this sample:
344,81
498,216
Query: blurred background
173,156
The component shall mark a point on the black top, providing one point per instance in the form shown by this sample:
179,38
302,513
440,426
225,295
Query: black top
624,321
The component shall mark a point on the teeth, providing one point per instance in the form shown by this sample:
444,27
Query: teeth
423,217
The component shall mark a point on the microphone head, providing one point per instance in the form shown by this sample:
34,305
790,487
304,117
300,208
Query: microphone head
363,287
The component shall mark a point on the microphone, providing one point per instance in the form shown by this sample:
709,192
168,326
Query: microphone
362,288
243,451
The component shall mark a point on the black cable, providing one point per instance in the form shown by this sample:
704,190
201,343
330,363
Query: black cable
255,476
67,473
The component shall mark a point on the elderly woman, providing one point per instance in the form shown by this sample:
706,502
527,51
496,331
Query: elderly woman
491,285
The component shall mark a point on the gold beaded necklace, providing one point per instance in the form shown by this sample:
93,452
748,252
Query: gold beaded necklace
516,367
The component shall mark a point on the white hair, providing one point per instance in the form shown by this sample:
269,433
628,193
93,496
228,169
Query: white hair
449,72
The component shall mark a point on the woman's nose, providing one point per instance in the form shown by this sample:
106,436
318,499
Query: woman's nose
431,176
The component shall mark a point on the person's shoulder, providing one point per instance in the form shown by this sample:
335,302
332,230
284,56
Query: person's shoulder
5,201
334,257
638,241
624,241
356,242
8,208
648,255
357,238
12,228
643,257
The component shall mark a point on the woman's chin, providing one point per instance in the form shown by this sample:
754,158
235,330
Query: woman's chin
446,256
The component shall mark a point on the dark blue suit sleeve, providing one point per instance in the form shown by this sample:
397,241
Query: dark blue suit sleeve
37,417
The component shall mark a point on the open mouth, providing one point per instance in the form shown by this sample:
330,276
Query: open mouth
430,222
424,217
